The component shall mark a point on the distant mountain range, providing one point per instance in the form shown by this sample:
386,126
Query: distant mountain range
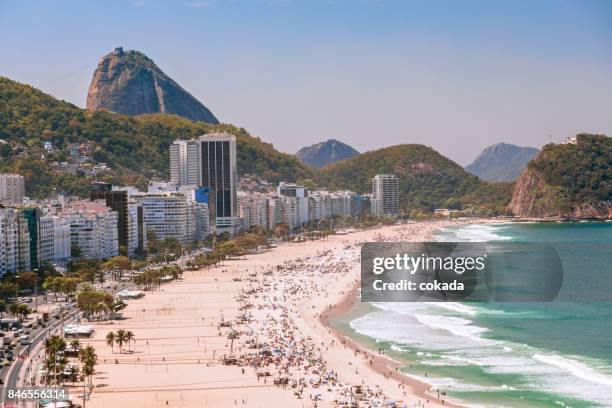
324,153
130,83
502,162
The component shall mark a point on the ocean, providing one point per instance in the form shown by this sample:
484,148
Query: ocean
555,354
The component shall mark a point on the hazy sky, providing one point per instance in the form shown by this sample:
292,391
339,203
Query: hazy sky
455,75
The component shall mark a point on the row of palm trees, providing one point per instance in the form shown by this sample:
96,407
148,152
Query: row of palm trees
120,338
56,361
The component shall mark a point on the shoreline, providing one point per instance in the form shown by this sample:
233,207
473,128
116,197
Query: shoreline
382,364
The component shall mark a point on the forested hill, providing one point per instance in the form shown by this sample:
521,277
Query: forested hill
427,179
135,148
572,180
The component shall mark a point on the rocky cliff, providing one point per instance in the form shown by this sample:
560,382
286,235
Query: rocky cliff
324,153
130,83
501,162
571,180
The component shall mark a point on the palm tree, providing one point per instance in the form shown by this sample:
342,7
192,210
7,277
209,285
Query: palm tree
232,335
75,345
88,362
129,337
55,359
73,373
110,340
120,338
2,307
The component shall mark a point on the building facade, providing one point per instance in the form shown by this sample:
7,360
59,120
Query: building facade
137,230
385,195
219,173
93,229
12,189
166,215
14,242
185,163
116,200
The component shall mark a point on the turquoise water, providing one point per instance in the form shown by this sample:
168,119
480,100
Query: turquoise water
513,354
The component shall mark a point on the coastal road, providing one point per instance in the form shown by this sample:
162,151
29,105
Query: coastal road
10,381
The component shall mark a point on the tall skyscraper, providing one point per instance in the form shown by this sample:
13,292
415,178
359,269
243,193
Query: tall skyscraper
116,200
12,189
220,174
385,195
185,162
32,216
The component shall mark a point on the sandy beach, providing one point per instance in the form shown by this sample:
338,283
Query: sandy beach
279,301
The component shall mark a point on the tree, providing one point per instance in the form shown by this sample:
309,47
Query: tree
27,280
8,289
152,242
75,344
110,340
73,372
232,335
120,339
55,360
282,230
89,359
129,337
2,307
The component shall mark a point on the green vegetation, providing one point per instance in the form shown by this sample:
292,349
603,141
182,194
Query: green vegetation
95,303
135,148
153,278
577,173
120,338
428,180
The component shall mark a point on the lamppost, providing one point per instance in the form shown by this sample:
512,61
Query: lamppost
36,291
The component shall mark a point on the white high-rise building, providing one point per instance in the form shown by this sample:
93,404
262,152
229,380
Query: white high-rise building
137,229
166,214
185,162
46,239
220,174
290,211
12,189
385,195
61,240
300,194
320,206
14,242
253,209
93,229
198,224
274,212
54,239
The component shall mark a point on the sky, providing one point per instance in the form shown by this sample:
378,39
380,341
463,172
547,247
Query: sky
455,75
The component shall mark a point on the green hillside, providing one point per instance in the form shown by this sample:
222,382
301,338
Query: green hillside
581,169
567,180
428,180
135,148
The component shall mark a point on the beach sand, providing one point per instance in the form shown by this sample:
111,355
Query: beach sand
175,360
